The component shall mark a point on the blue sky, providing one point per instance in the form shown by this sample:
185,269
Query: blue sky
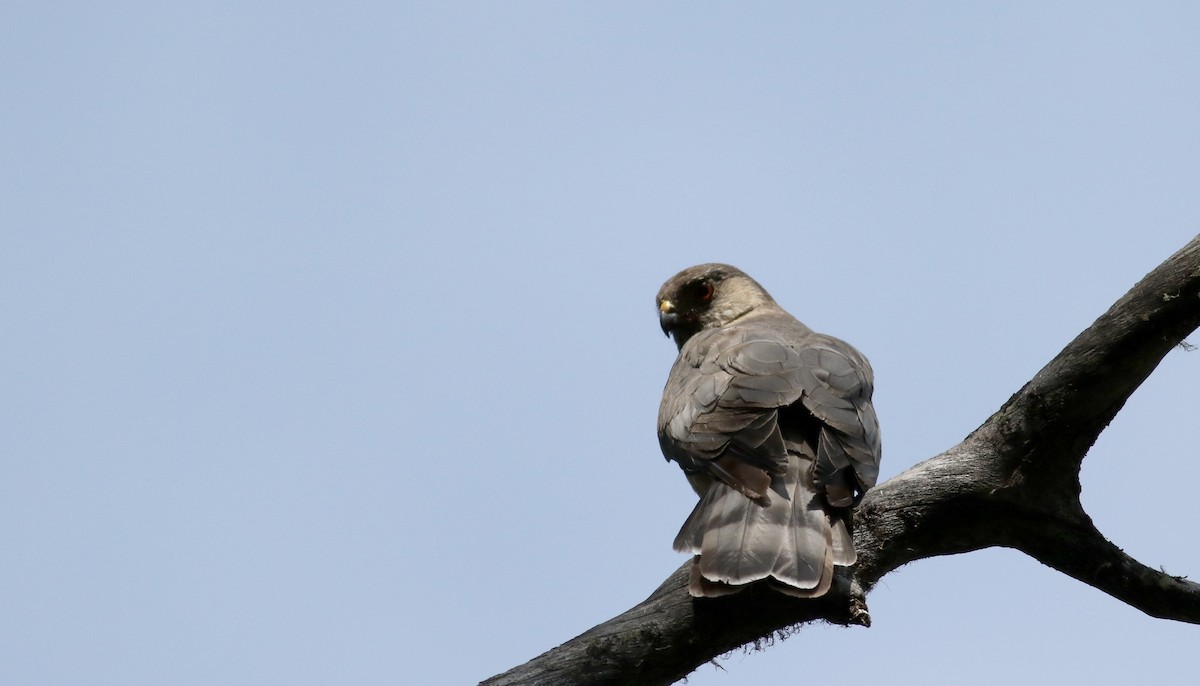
330,350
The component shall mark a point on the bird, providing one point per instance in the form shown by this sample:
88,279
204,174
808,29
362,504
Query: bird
774,428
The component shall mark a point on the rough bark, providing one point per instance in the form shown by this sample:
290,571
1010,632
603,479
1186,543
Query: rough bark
1013,482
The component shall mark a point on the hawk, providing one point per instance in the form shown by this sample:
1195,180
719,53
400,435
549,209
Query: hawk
773,425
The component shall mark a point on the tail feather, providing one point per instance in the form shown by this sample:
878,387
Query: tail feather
843,544
790,540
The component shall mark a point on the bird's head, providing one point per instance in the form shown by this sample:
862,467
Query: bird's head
706,296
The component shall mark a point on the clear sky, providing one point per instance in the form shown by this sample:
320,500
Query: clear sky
330,352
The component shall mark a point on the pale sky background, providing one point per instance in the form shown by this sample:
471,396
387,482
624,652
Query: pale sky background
330,353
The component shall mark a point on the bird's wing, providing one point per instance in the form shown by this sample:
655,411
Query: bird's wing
838,384
720,407
719,412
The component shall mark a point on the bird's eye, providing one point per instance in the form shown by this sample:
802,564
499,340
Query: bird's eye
703,291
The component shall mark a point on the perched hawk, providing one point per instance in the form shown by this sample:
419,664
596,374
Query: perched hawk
773,425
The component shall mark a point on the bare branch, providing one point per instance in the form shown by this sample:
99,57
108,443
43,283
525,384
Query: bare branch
1060,412
668,635
1080,551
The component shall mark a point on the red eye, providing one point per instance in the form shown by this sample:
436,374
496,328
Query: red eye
698,291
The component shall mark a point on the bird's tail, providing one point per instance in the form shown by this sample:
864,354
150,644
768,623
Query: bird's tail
791,540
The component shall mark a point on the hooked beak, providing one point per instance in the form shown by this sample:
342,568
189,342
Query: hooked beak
667,317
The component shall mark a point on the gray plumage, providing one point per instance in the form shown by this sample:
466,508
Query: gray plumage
773,425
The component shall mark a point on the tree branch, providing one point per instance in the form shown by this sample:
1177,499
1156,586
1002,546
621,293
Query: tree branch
1081,552
1013,482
